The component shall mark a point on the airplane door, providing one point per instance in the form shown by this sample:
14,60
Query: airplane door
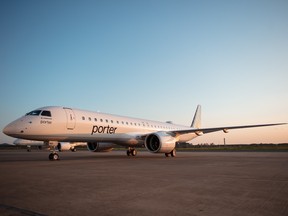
70,124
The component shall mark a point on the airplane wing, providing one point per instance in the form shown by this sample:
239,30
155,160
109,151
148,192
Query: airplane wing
200,131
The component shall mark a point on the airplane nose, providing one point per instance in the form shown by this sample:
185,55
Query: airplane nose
8,130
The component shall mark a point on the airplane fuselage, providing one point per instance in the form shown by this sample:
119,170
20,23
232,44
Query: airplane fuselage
63,124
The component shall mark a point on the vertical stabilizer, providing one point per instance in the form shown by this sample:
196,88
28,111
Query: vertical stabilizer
196,123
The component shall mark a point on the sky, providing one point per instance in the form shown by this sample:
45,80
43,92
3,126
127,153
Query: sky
150,59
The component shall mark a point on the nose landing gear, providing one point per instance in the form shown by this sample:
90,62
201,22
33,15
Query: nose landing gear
54,156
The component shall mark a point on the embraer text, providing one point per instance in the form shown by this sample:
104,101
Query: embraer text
101,129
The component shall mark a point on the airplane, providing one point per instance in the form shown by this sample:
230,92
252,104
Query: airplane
101,131
60,146
29,143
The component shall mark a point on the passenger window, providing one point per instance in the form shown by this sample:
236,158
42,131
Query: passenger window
83,118
101,120
46,113
106,120
95,119
89,119
111,121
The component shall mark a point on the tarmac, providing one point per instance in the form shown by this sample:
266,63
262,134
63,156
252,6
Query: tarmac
193,183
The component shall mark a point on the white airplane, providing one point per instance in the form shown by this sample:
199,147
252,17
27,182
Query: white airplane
60,146
29,143
101,131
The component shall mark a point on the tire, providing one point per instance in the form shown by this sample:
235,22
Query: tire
173,153
55,156
133,152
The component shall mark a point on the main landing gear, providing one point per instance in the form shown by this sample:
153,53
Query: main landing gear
172,153
131,151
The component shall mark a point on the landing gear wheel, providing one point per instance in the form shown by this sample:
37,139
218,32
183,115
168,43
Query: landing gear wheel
173,153
53,156
131,151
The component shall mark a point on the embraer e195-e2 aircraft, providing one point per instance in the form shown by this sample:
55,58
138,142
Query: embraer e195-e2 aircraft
55,124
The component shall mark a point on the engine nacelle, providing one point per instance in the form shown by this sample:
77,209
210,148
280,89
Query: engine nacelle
160,142
65,147
100,147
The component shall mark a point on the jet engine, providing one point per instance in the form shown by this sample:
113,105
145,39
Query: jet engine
160,142
100,147
65,147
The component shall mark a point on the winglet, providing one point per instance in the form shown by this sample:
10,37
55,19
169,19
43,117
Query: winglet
196,123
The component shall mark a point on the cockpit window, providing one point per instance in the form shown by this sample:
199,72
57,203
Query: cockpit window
34,113
46,113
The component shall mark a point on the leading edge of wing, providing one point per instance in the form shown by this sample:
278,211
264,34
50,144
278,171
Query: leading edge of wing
200,131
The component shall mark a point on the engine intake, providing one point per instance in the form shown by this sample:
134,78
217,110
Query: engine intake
160,142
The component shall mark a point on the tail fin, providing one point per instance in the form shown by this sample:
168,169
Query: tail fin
196,123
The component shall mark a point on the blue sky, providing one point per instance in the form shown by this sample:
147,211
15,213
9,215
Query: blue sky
150,59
